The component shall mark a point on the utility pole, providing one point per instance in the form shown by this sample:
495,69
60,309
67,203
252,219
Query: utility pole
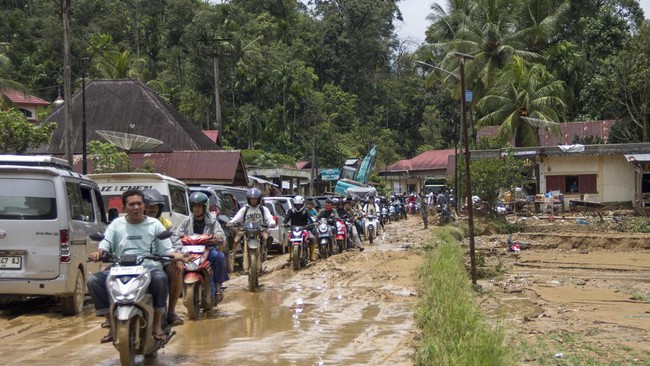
468,184
67,95
217,97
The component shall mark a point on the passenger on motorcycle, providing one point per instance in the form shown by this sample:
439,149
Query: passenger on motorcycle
202,222
299,216
154,202
253,211
309,208
330,214
371,208
134,232
354,216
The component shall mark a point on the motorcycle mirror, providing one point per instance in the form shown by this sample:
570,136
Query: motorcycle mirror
223,218
96,236
165,235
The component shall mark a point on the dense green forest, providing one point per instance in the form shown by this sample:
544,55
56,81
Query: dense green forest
290,70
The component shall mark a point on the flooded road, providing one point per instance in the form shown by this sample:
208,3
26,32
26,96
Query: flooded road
355,308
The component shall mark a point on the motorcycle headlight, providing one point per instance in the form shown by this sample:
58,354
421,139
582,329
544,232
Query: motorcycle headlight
192,266
127,288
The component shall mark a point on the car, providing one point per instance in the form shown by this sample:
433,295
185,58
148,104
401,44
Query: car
279,232
47,212
286,202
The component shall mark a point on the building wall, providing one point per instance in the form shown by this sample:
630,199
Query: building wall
615,176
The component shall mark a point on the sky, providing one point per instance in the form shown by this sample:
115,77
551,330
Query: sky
415,13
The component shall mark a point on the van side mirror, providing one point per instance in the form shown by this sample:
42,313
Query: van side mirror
96,237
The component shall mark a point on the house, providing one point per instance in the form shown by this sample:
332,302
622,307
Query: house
594,129
132,109
27,104
409,175
608,174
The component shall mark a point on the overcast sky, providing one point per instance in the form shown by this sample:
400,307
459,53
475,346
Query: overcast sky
415,13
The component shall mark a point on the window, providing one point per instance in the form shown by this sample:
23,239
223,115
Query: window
27,113
100,206
227,204
80,202
178,196
645,183
22,199
572,184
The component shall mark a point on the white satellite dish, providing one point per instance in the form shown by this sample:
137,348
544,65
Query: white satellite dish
129,141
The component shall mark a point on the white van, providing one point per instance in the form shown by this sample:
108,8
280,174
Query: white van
112,185
47,212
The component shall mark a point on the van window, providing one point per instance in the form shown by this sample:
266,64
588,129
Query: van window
22,199
178,196
80,202
100,206
115,201
227,204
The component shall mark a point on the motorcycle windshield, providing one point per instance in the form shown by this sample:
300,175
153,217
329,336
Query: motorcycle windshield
252,227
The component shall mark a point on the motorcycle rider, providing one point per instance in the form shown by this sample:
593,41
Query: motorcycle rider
299,216
330,214
371,208
253,211
311,211
154,202
339,203
354,216
134,232
202,222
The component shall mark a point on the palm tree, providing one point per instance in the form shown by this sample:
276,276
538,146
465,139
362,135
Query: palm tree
5,81
537,23
522,90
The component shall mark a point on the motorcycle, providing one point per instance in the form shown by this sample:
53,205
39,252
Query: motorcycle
385,217
398,210
253,247
197,277
412,208
444,215
341,236
299,239
324,238
370,225
131,309
391,213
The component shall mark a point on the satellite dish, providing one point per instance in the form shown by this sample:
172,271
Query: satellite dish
129,141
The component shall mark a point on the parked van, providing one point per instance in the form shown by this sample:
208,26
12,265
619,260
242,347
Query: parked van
47,212
112,185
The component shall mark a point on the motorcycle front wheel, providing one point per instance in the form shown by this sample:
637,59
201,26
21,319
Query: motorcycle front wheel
253,271
193,299
125,341
296,252
371,234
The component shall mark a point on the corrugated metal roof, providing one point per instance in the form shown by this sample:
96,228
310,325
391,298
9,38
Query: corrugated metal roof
568,131
428,160
130,107
20,98
638,158
212,134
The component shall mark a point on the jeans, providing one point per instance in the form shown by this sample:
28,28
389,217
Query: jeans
159,289
219,273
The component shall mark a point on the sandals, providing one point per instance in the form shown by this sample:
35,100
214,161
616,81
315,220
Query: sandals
106,324
159,337
174,320
107,338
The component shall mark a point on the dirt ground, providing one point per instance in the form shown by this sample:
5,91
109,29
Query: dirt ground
578,294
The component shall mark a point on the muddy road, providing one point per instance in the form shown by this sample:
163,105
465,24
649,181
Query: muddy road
353,308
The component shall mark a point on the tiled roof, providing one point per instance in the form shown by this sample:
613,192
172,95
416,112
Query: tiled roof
19,98
428,160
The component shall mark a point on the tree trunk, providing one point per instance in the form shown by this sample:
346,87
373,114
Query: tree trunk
217,98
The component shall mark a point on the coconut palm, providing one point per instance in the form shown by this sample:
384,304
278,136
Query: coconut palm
5,81
521,90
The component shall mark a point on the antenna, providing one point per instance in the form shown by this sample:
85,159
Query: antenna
129,141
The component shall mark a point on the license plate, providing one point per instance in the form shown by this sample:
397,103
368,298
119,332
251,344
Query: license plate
127,270
11,262
193,249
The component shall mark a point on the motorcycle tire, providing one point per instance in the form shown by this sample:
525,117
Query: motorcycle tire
297,258
125,341
371,235
341,246
230,261
323,249
192,301
253,272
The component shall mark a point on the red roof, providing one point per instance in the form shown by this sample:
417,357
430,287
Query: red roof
569,130
301,164
212,134
19,98
428,160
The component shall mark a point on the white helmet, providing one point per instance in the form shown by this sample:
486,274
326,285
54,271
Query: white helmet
298,203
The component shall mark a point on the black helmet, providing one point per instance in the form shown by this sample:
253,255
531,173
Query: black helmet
199,198
254,193
153,197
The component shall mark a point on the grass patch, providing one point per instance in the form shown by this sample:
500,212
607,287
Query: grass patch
454,329
641,296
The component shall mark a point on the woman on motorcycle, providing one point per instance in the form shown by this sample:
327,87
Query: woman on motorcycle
154,202
253,211
202,222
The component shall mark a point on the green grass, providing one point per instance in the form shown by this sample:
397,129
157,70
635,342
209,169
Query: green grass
454,331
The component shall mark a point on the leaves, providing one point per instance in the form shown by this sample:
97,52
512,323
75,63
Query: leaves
17,135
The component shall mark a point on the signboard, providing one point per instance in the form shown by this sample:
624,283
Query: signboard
330,174
469,96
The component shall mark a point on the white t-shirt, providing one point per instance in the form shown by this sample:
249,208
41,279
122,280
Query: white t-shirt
121,237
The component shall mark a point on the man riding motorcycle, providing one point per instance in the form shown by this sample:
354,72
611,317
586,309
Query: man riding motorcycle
253,211
134,233
154,202
202,222
371,208
299,216
354,216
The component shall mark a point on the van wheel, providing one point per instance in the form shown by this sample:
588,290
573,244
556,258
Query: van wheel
74,304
